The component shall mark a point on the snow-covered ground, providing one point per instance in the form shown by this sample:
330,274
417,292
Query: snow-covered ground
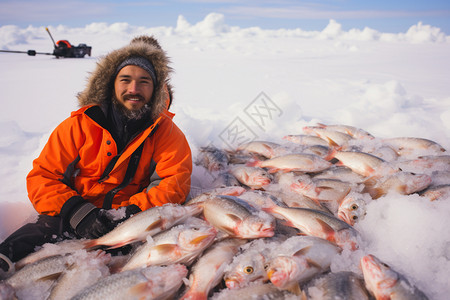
390,85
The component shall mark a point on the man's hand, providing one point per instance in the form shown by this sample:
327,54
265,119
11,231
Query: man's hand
94,225
85,219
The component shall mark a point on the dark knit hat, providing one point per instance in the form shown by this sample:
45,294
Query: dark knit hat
140,62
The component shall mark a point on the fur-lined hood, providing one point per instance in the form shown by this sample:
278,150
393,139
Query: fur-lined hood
100,86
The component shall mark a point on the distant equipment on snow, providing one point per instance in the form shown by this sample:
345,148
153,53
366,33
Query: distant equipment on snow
62,48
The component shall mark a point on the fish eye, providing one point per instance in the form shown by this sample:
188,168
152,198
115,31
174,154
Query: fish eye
248,270
354,206
355,217
195,228
266,267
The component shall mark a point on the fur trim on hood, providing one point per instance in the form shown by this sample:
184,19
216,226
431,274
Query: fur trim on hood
100,86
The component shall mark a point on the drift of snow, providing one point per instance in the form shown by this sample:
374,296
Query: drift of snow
390,85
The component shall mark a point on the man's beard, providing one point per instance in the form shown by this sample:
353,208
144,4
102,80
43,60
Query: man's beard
129,114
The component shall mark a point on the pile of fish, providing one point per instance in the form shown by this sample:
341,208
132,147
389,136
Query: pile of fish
272,221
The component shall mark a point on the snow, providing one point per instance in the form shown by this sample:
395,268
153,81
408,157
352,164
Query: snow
388,84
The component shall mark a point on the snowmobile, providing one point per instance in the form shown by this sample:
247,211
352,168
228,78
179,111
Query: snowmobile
62,48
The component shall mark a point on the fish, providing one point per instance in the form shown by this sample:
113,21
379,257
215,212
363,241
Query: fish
342,173
224,191
249,266
208,271
339,285
363,163
180,244
298,259
404,183
329,192
6,291
51,249
255,292
319,224
293,162
425,164
47,269
353,131
306,140
146,223
253,177
212,158
237,218
408,145
87,268
224,179
352,208
383,282
440,178
143,283
437,192
262,148
335,139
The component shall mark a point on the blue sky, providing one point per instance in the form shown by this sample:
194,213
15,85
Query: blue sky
382,15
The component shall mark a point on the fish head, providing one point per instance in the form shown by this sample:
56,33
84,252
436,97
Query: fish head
352,209
379,277
249,269
257,226
196,235
282,271
416,182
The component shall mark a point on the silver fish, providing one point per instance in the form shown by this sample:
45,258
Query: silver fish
210,267
340,285
353,131
363,163
212,158
87,268
263,148
319,224
255,292
293,162
385,283
253,177
334,138
298,259
236,218
144,283
437,192
181,244
407,145
306,140
248,267
146,223
47,269
404,183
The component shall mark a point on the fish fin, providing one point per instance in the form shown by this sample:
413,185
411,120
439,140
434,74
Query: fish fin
327,229
295,289
302,251
312,263
51,277
199,239
139,289
303,296
234,217
166,248
157,224
331,154
91,244
273,170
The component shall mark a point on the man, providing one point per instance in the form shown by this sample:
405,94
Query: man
120,150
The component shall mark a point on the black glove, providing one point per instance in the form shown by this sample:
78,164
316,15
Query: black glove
131,210
86,220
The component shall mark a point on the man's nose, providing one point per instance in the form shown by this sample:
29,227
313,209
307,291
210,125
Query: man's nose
133,87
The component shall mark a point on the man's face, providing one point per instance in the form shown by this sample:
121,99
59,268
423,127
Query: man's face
133,87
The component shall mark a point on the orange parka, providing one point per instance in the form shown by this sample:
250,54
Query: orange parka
81,156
